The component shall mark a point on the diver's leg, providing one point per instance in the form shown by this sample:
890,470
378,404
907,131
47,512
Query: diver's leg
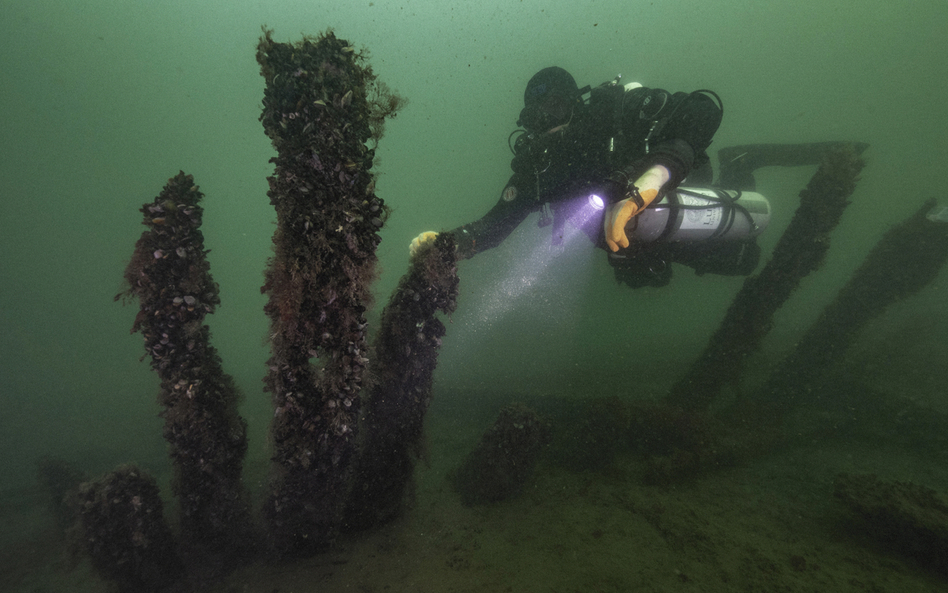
738,163
727,258
701,175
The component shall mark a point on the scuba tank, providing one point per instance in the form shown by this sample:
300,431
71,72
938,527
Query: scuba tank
691,214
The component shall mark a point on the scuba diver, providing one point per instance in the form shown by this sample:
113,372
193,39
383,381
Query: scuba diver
610,161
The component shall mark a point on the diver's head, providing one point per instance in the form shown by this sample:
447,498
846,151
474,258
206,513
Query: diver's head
549,100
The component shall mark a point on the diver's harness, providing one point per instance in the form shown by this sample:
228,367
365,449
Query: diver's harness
686,214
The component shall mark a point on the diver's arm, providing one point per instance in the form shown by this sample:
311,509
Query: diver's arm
495,226
679,130
675,130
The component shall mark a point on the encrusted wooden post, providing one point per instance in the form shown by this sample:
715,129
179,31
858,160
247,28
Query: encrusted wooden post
321,106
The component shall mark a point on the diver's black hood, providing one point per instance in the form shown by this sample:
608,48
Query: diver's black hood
547,82
549,99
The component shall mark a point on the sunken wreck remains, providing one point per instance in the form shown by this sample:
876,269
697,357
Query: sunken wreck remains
322,108
800,251
906,259
170,277
123,530
348,417
405,355
321,105
504,459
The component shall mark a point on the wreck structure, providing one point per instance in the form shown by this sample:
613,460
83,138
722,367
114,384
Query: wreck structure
322,105
170,277
348,416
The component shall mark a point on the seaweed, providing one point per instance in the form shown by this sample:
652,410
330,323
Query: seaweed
322,105
504,459
123,529
405,355
170,276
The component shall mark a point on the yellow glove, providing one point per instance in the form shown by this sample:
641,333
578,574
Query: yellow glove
644,191
422,239
619,215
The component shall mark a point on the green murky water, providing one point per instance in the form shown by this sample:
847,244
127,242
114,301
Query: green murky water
101,102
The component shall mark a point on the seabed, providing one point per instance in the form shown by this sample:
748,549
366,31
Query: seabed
771,524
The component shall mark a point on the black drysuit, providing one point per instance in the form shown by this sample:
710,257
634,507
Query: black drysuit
617,134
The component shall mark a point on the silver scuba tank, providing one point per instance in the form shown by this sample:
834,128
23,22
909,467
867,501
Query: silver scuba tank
699,213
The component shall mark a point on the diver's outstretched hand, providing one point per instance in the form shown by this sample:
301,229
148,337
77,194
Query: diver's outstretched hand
422,239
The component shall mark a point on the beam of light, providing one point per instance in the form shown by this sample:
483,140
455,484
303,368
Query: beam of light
522,298
554,269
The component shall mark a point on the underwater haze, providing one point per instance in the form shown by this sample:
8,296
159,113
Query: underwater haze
103,101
